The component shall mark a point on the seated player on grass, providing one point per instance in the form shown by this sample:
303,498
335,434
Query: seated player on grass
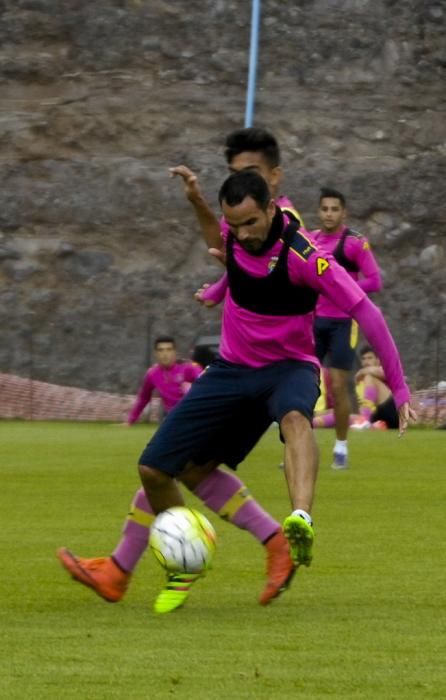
377,409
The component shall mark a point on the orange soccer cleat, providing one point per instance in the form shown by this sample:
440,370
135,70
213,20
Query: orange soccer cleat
280,568
101,574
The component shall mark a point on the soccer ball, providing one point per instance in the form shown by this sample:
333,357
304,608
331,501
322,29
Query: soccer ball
182,540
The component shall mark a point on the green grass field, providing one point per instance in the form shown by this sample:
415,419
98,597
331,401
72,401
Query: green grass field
366,620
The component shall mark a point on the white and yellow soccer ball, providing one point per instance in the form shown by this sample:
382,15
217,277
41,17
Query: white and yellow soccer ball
183,540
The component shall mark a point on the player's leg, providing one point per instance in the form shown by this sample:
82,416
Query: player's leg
342,410
292,400
110,576
344,339
325,419
367,395
227,496
220,491
385,415
190,432
301,467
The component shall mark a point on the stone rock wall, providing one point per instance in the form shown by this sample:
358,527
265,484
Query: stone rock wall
99,252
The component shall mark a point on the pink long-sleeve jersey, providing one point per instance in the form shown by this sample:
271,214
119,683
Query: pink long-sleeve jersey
170,382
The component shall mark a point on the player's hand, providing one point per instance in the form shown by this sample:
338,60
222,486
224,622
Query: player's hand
190,181
406,415
199,296
360,374
218,254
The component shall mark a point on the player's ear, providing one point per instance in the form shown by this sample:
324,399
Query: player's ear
276,176
271,209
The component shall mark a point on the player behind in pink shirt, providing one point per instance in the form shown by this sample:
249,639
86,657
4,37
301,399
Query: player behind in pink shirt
335,332
250,149
267,354
170,378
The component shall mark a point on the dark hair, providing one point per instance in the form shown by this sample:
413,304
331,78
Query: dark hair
335,194
365,349
255,140
164,339
246,183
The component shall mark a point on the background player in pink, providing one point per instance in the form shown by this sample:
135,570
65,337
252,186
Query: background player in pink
267,354
335,332
170,378
251,149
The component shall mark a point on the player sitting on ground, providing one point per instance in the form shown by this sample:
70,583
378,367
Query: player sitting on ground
377,408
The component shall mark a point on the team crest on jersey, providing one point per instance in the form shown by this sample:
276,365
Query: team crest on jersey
272,263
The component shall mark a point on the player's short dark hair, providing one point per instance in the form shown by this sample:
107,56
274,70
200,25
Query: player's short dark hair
253,139
163,339
245,183
365,349
334,194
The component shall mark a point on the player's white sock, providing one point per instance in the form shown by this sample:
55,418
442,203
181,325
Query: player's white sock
341,447
303,514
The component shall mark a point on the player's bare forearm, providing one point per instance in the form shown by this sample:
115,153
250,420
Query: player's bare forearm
376,372
208,222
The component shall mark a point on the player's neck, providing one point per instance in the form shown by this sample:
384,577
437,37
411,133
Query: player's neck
334,232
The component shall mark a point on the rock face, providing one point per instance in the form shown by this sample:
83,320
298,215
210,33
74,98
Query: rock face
99,252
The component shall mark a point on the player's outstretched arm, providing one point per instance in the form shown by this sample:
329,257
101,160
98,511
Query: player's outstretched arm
142,399
212,294
208,222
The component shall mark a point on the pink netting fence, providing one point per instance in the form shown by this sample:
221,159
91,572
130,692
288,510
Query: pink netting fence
29,399
32,400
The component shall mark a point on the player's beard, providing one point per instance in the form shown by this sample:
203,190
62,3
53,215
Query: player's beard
252,246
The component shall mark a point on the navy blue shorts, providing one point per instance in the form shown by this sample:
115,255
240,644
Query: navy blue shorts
226,412
336,340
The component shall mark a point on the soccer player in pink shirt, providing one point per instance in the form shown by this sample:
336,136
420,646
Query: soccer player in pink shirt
170,378
335,332
255,150
250,149
266,356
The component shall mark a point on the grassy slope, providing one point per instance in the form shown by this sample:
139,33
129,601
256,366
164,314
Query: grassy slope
365,621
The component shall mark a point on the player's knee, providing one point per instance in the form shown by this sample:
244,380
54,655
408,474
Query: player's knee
339,385
194,474
293,423
153,478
